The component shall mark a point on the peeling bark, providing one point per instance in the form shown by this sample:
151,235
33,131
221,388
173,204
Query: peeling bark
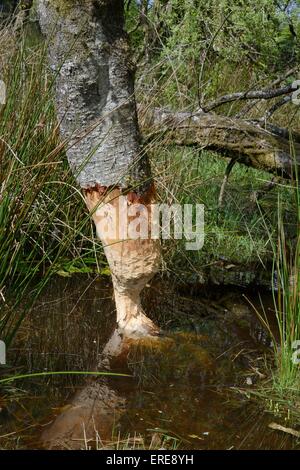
265,94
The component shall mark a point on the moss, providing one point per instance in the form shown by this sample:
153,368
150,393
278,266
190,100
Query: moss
64,6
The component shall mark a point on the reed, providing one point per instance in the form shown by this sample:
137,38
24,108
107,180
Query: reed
43,220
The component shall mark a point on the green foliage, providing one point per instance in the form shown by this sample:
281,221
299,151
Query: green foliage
199,48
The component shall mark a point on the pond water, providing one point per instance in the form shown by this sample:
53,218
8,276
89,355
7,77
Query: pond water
187,389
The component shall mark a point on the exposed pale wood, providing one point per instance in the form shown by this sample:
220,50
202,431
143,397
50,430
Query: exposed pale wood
133,262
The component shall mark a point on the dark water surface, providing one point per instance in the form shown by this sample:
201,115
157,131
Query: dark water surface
187,389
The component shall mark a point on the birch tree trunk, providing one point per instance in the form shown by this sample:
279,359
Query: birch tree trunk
96,109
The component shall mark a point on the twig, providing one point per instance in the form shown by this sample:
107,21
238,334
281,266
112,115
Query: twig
277,105
278,427
275,83
250,95
225,181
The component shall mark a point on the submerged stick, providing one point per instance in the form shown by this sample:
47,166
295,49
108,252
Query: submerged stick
278,427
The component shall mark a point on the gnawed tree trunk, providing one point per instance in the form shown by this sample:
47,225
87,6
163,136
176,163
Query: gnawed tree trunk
96,108
268,148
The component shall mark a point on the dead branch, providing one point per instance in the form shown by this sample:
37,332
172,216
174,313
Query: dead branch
265,94
255,144
225,181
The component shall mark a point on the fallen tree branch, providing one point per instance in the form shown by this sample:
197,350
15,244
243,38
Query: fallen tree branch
265,147
271,85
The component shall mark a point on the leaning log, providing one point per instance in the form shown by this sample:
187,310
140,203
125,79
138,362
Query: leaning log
267,148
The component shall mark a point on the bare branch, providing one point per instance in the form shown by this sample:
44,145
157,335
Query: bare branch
273,84
265,94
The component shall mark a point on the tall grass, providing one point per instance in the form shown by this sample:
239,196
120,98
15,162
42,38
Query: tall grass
282,390
43,221
287,303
